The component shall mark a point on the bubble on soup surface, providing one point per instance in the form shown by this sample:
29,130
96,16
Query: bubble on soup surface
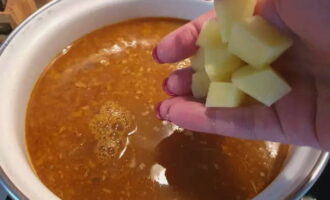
111,128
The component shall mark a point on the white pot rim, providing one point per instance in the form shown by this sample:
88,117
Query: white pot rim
15,193
5,181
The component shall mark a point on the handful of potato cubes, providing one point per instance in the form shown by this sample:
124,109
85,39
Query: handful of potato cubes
236,50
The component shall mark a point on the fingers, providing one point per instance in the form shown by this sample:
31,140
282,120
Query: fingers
253,122
180,44
267,9
179,82
322,119
309,20
292,117
297,111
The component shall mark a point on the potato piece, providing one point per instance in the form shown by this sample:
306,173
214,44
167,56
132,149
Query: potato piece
209,34
200,84
197,60
230,12
220,63
222,94
257,42
265,85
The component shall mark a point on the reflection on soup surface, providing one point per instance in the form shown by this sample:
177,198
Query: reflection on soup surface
91,130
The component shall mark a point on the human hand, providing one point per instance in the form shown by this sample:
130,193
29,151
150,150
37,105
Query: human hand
299,118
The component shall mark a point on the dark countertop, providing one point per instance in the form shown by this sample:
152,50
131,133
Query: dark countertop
321,189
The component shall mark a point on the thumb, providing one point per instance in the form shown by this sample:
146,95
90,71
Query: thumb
308,19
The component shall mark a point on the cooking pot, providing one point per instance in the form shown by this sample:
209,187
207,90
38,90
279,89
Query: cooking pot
34,44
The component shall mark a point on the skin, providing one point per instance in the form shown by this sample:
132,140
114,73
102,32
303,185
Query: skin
300,118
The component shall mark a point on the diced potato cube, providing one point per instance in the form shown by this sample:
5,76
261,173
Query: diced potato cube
265,85
256,42
200,84
230,12
209,34
220,63
222,94
197,60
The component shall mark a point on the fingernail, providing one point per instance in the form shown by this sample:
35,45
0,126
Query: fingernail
155,56
157,110
165,88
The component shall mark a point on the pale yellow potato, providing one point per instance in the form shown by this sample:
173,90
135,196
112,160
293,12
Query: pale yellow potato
200,84
265,85
220,63
197,60
223,94
209,34
257,42
230,12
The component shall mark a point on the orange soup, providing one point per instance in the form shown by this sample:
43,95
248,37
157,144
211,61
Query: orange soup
91,130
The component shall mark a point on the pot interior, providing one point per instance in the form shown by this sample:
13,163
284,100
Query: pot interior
34,44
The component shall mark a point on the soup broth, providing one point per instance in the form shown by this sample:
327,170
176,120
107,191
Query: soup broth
91,130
